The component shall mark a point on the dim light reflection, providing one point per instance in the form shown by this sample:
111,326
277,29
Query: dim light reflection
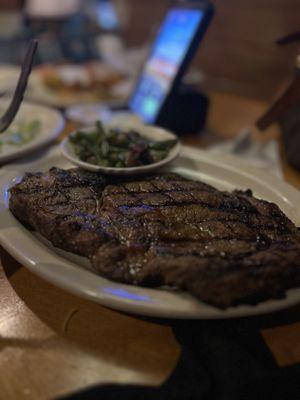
6,194
124,294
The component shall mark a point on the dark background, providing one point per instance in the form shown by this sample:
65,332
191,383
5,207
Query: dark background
239,53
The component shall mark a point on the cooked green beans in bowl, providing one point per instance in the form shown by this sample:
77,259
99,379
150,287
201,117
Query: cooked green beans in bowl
119,147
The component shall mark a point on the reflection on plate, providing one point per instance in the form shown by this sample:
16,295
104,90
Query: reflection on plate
71,273
34,127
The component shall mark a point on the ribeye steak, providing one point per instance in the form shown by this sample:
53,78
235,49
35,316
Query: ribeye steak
224,248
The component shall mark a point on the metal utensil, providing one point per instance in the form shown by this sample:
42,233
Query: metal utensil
14,106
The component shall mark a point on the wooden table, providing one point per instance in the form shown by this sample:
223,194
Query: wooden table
53,343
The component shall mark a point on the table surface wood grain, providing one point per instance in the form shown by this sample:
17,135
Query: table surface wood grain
53,343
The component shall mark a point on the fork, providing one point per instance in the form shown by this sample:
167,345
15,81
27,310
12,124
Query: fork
17,99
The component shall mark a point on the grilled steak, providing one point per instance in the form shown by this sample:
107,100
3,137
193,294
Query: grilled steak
224,248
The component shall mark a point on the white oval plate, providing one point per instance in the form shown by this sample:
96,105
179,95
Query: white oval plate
151,132
39,92
74,274
51,124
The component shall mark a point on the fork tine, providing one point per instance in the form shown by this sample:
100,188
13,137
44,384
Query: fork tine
14,106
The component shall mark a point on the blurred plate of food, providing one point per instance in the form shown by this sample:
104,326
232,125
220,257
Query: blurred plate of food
35,126
86,114
66,84
9,75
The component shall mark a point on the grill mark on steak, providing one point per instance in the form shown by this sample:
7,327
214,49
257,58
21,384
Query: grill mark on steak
218,247
225,248
178,197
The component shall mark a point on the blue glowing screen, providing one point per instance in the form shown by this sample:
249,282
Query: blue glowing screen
168,52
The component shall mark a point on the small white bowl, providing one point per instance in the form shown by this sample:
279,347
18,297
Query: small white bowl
151,132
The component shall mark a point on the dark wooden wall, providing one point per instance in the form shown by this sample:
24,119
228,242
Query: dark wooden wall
239,53
11,4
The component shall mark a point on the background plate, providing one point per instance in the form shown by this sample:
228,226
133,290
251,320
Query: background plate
51,124
73,273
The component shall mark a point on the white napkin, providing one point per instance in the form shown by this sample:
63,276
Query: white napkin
260,155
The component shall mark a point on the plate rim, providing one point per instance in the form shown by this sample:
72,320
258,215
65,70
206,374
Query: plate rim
129,306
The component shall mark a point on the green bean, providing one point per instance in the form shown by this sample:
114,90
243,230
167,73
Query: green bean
118,148
158,155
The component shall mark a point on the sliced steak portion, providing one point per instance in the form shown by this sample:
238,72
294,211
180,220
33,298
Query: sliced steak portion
225,248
